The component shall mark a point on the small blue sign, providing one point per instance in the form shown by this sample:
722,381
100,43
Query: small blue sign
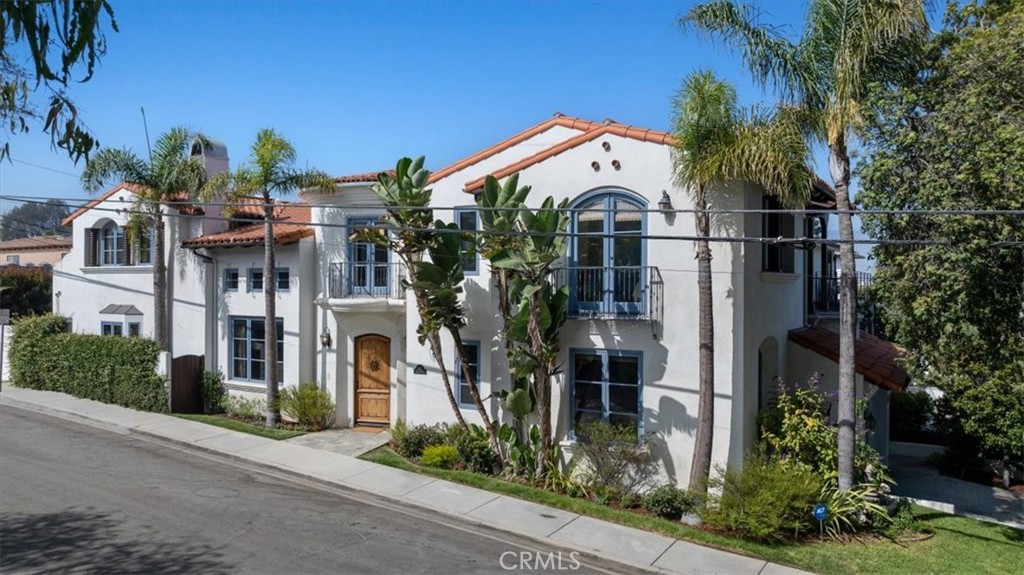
820,512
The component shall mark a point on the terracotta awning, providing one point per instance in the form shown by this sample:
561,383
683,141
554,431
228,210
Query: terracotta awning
876,359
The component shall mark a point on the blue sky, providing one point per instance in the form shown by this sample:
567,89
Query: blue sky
356,85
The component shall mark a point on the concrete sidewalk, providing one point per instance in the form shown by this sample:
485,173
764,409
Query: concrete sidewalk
473,506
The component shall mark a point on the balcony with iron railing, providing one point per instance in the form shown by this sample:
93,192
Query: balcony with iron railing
823,293
367,286
628,292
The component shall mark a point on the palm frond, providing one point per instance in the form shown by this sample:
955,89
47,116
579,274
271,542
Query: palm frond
772,58
110,165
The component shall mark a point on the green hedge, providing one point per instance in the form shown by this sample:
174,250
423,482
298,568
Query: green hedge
119,370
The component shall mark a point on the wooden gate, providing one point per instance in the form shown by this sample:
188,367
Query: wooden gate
187,384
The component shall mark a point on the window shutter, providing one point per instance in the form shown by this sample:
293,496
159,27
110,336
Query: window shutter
91,246
124,258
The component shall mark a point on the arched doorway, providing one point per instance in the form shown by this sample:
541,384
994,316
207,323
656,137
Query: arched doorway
372,380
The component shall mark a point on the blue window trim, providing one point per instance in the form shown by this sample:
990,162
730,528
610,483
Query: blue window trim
117,237
137,250
111,324
458,373
250,273
605,354
248,344
277,279
353,223
608,197
476,227
238,278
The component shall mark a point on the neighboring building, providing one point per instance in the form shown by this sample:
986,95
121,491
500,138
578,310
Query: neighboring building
35,250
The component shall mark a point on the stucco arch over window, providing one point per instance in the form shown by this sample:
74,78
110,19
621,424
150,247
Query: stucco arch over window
608,252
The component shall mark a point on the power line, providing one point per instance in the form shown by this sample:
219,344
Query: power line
575,209
54,170
795,242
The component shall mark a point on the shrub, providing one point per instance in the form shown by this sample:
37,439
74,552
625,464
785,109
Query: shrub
474,448
398,431
796,429
850,510
417,439
440,456
669,501
120,370
254,409
30,344
903,522
765,501
309,405
617,462
911,417
214,394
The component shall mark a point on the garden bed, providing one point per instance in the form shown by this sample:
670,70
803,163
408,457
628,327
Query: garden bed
253,427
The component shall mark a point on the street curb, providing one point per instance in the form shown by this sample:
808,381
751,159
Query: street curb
353,492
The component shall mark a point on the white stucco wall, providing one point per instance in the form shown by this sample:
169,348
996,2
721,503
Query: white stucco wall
80,292
294,307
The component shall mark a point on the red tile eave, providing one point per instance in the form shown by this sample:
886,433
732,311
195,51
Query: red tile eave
365,178
875,357
37,243
178,204
558,120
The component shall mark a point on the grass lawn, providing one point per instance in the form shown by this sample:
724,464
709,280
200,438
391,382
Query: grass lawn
244,427
960,545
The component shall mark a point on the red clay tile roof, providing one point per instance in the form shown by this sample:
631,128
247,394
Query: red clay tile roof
876,359
591,130
557,120
291,225
368,177
36,243
178,203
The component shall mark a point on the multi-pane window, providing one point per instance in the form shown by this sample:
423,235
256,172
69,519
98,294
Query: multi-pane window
776,223
282,279
249,349
472,352
15,259
111,328
608,256
467,220
134,329
606,386
231,279
111,244
255,279
144,247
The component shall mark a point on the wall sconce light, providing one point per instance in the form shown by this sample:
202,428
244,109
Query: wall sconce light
325,338
420,370
665,203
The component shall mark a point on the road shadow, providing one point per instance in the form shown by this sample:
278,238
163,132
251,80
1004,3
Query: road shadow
89,541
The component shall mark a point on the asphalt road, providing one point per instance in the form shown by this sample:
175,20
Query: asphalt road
77,499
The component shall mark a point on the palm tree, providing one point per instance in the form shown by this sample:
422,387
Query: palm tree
715,143
171,174
269,173
847,45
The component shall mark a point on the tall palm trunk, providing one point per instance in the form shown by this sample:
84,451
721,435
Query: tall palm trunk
541,381
270,319
701,464
839,166
159,281
492,433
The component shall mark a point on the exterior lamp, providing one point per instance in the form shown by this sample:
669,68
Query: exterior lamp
665,203
325,338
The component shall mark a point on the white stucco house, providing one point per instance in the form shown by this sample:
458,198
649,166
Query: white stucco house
629,351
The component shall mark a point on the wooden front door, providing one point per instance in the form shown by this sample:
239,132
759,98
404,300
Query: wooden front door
373,379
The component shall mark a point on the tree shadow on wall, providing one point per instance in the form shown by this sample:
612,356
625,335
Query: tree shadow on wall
76,540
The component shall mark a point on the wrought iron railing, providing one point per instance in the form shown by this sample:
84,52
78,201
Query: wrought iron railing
627,292
366,280
824,292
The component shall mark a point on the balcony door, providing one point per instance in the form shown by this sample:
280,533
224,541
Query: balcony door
367,265
608,256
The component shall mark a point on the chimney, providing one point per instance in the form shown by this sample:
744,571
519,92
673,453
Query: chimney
214,154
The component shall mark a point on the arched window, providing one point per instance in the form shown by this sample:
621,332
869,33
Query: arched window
111,244
608,254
